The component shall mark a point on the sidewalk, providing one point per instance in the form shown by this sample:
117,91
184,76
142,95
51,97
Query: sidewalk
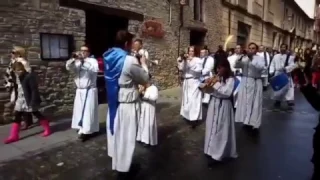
32,143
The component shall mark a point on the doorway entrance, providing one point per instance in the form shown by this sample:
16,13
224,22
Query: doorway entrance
197,40
101,30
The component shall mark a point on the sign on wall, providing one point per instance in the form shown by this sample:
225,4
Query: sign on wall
152,28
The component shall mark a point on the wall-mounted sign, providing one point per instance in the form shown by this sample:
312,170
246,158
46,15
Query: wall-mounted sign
152,28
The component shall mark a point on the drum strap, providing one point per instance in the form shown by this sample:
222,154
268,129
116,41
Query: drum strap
204,62
287,60
265,59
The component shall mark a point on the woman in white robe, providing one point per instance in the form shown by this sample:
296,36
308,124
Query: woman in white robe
85,110
220,137
249,109
191,106
147,126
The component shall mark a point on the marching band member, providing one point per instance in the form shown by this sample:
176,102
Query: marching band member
85,109
250,92
191,107
220,136
147,126
266,57
123,74
283,63
207,65
236,71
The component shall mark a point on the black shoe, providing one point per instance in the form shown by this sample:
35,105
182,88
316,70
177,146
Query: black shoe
122,176
247,127
83,137
213,162
265,88
277,104
255,132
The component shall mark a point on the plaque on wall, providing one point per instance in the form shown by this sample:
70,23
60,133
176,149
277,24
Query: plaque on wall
152,28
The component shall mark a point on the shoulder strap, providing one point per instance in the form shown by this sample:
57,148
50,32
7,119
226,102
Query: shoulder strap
204,62
265,59
287,60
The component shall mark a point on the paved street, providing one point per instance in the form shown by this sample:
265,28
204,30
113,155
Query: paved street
283,151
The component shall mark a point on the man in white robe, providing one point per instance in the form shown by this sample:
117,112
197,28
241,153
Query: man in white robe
265,74
207,65
123,75
250,93
85,110
283,63
236,71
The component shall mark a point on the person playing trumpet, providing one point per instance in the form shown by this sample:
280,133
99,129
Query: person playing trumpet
220,137
191,107
85,109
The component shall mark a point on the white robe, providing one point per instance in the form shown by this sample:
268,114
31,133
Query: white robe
191,106
265,73
276,67
250,96
207,73
147,126
220,136
232,61
121,144
85,107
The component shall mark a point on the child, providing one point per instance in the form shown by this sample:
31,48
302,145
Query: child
220,138
147,125
27,103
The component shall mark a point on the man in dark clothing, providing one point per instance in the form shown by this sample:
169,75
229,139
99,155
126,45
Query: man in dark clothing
219,56
313,98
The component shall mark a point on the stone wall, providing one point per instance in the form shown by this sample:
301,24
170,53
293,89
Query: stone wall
21,21
20,24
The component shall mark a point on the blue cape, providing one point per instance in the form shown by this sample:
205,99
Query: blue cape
113,63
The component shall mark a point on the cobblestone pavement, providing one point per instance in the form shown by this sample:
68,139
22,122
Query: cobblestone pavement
283,152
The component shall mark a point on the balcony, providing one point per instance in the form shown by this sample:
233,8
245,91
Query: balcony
257,9
269,17
286,25
243,4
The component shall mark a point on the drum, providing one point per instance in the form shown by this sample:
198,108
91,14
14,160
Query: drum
280,81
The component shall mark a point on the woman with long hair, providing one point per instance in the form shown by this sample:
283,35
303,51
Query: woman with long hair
27,102
191,106
220,138
17,54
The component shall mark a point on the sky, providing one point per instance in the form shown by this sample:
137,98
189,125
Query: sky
307,6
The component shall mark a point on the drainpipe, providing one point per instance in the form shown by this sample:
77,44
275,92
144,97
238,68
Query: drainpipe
263,12
180,27
229,21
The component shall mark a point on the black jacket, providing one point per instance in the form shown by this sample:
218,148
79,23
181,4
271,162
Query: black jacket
29,85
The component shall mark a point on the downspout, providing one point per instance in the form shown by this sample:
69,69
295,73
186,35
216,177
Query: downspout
180,27
229,21
262,25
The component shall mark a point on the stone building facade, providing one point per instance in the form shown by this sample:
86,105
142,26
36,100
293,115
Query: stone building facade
51,29
268,23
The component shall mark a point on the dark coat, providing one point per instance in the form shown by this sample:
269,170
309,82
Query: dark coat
30,88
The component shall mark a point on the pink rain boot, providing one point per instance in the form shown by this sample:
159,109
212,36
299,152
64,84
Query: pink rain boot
14,134
45,124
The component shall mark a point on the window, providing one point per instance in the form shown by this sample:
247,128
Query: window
56,46
198,10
